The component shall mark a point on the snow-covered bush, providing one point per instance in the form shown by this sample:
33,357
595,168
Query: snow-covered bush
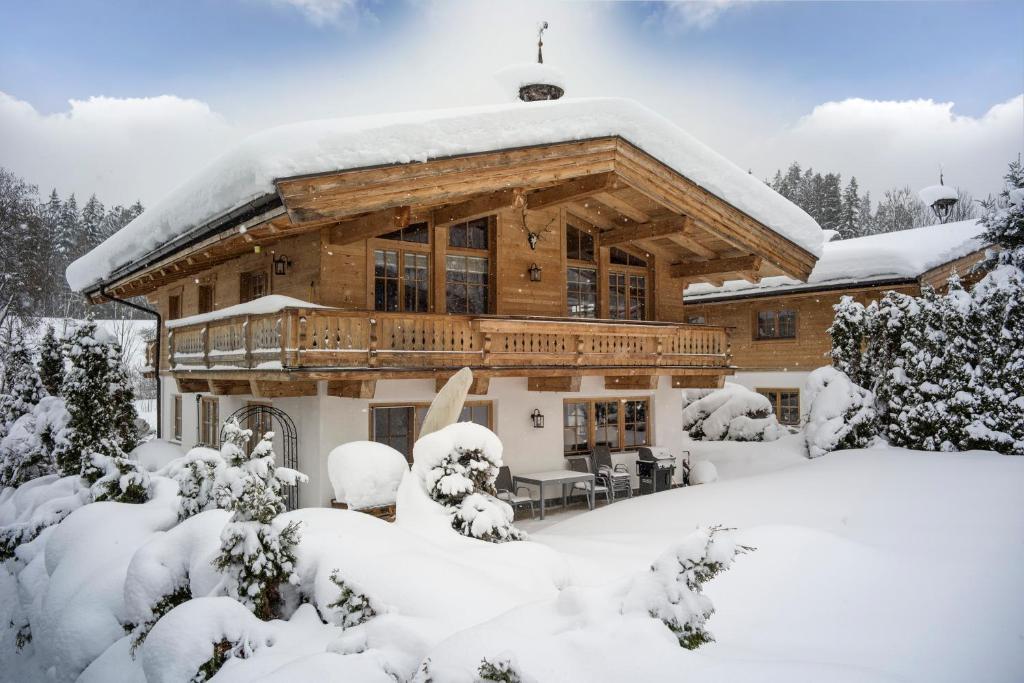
155,454
501,669
353,607
257,548
457,466
732,413
197,473
27,451
672,590
20,387
703,472
51,362
840,414
847,333
35,506
365,473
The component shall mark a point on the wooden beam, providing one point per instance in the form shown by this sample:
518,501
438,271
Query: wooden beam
371,225
563,384
698,269
750,276
570,191
287,389
479,386
691,243
698,381
228,387
477,206
192,386
644,231
602,221
631,382
625,208
352,388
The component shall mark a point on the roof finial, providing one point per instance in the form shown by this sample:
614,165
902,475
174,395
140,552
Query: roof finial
540,41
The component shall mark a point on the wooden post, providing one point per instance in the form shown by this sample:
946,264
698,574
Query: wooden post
247,342
487,348
170,349
579,349
371,347
206,344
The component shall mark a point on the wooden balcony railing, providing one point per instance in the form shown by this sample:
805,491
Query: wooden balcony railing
328,338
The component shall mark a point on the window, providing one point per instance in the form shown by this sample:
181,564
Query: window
399,426
176,415
473,234
785,404
205,298
696,320
401,289
581,292
776,325
209,421
579,245
467,283
627,296
252,285
619,257
417,233
174,307
619,424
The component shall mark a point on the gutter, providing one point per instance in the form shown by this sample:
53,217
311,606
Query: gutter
156,370
698,299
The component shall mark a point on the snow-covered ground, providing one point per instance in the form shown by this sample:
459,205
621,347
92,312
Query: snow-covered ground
871,565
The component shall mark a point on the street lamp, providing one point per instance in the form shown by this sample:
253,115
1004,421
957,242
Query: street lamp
940,198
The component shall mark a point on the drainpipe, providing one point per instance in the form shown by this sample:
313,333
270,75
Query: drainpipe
156,360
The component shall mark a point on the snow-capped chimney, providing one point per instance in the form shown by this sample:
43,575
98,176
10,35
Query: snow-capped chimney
540,82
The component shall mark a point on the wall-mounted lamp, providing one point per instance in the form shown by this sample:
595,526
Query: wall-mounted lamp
281,265
538,419
534,272
257,249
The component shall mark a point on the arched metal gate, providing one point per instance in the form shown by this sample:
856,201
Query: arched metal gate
263,418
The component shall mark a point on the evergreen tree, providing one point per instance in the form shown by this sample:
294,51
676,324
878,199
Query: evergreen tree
830,202
886,325
847,334
257,553
91,225
51,362
865,219
1004,220
849,211
21,388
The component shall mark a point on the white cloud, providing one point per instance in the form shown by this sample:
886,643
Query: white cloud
680,16
887,143
121,149
342,13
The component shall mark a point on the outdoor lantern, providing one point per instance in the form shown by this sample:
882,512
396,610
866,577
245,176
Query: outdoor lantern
281,264
538,419
534,272
940,198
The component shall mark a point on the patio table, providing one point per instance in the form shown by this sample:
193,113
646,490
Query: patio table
561,477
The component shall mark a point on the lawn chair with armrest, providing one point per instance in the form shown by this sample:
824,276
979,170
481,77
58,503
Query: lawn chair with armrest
583,463
617,477
503,484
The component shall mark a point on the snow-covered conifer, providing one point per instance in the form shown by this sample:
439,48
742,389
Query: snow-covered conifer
887,323
353,607
51,362
847,334
1004,221
840,414
501,669
21,388
27,451
257,548
197,475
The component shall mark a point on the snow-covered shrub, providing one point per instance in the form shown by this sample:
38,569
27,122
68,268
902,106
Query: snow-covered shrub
732,413
353,608
458,466
197,473
840,414
37,505
257,548
703,472
365,473
672,590
115,476
155,454
27,451
847,333
499,670
20,387
51,362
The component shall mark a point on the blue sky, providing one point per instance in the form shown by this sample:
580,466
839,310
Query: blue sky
746,77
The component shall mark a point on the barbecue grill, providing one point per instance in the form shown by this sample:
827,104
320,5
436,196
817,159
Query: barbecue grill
655,467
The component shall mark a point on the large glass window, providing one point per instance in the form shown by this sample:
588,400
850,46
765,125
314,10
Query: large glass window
252,285
474,234
399,426
776,324
619,257
209,422
417,233
620,424
467,284
581,292
579,245
627,296
405,288
204,298
785,404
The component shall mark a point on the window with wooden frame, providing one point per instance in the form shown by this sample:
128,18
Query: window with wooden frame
785,404
627,286
252,285
401,280
415,233
775,324
204,298
259,422
209,421
620,424
173,306
581,277
176,418
467,275
398,425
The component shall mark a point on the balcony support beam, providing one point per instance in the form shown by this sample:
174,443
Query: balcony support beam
631,382
698,381
479,386
705,269
565,383
228,387
285,389
347,388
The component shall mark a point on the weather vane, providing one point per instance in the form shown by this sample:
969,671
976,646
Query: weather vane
540,41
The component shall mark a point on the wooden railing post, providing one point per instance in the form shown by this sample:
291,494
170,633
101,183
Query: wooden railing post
371,346
206,344
247,342
579,349
487,348
283,335
170,349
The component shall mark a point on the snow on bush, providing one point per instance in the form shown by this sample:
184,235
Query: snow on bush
26,511
703,472
51,362
501,669
155,454
840,414
257,547
20,387
457,466
365,473
732,413
352,607
197,473
27,451
672,590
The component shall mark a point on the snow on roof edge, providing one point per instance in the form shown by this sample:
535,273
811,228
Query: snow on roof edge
250,169
272,303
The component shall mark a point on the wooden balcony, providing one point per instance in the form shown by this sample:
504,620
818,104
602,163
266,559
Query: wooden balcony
328,343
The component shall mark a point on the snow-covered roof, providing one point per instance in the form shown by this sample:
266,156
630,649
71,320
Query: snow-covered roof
265,304
906,254
248,172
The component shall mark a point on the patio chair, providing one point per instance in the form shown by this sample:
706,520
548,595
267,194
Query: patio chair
617,476
583,463
504,486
